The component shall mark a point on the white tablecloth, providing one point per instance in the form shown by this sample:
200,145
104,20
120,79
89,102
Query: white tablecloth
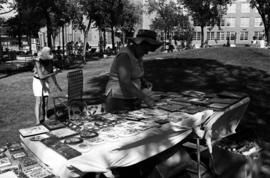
131,150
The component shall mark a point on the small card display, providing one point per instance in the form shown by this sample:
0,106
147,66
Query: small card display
219,105
35,130
64,132
171,107
73,140
61,148
53,124
227,94
223,100
193,93
16,154
32,169
4,160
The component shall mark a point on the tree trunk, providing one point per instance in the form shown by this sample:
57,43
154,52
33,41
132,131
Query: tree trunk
104,40
85,39
29,43
123,37
100,41
63,40
113,45
202,36
1,48
49,29
164,44
20,41
267,34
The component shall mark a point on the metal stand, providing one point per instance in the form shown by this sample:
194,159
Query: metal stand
198,157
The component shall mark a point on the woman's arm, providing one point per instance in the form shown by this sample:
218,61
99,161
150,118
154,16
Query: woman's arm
124,71
56,83
41,74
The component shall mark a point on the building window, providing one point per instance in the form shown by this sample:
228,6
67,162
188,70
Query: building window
258,22
230,22
245,8
258,35
210,35
231,8
230,35
197,36
244,22
220,36
243,35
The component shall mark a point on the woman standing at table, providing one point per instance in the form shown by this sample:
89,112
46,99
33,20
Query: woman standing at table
124,88
43,70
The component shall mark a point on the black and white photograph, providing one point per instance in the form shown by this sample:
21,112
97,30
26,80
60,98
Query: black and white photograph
134,88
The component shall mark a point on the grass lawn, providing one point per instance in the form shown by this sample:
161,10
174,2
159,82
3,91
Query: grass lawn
213,69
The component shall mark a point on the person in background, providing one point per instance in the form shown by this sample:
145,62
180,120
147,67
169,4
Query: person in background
124,89
262,42
43,70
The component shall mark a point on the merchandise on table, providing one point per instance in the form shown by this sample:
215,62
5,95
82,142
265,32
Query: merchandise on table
227,94
82,147
32,169
16,154
171,107
3,149
199,101
39,137
109,136
193,93
73,140
95,109
9,174
61,148
219,106
181,103
28,161
4,160
63,133
95,140
53,124
14,146
193,109
88,134
224,100
35,130
155,113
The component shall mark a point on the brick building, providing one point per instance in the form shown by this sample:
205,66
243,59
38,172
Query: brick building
240,25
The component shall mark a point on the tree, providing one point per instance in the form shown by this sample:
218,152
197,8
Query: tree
25,22
83,14
206,12
112,9
130,16
49,11
168,16
263,7
6,6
